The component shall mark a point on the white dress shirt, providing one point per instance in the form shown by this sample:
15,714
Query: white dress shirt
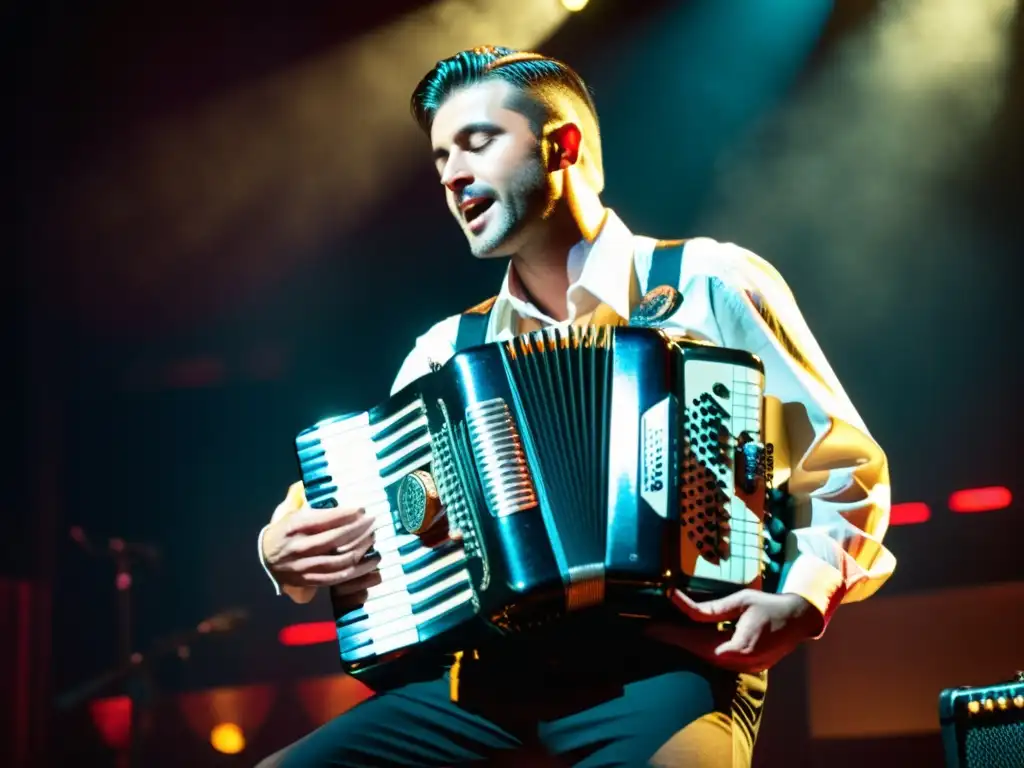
733,298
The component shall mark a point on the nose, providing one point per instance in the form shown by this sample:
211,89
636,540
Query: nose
455,175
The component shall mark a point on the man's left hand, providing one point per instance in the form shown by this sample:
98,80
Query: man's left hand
768,627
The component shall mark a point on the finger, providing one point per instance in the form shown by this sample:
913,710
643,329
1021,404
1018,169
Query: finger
722,609
701,642
296,496
357,589
309,520
343,578
745,636
323,563
343,538
357,535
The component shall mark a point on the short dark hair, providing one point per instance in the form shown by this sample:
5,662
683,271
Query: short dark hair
551,89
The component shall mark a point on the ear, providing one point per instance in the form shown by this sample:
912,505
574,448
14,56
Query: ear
565,146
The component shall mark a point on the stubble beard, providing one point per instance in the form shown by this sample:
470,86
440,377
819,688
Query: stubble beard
526,200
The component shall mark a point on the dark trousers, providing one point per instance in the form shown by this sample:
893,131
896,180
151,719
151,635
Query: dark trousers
591,699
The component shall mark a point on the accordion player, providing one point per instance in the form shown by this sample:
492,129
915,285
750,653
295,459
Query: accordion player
560,471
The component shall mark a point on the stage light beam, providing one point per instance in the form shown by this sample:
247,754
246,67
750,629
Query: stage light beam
316,145
574,5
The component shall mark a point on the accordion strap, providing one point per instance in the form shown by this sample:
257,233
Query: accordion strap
666,264
473,325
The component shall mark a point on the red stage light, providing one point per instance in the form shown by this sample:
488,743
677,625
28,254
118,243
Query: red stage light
980,499
113,719
310,633
909,513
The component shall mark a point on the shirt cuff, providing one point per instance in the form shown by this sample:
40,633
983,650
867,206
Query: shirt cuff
263,562
298,594
818,583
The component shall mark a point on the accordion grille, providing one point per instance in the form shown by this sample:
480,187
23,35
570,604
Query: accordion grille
562,383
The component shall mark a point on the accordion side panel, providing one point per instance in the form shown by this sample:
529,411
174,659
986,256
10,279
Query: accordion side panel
642,481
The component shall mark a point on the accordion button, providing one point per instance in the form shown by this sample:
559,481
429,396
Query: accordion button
974,707
419,504
1002,702
1018,701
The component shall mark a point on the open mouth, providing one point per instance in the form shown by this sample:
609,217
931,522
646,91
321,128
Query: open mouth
473,209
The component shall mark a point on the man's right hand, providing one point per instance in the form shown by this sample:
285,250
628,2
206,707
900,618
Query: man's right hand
307,547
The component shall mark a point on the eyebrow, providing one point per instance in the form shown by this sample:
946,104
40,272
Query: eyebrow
466,131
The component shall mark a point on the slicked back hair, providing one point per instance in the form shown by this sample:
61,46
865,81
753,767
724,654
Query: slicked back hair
547,91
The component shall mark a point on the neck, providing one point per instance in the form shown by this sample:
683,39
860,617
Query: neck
540,264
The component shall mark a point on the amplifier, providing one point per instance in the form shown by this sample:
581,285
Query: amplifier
983,727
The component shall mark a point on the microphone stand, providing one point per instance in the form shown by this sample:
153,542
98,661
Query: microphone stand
134,668
138,682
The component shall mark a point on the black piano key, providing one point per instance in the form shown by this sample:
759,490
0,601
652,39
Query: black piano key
448,592
316,477
311,458
398,425
388,449
436,577
354,625
352,617
412,460
430,555
321,495
446,621
355,641
310,466
358,654
308,440
428,630
410,547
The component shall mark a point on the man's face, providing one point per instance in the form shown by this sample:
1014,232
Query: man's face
491,165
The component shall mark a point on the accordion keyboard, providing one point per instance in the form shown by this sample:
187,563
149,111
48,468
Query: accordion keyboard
424,585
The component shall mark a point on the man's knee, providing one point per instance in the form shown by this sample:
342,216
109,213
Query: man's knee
712,741
275,760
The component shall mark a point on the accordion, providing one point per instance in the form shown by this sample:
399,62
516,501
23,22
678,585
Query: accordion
560,471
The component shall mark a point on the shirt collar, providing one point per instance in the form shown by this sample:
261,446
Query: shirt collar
599,272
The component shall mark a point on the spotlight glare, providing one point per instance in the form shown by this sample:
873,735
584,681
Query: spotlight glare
227,738
574,5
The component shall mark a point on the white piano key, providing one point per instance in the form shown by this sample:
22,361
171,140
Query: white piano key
382,611
403,633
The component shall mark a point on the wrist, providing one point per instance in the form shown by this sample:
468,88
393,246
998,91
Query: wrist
805,616
270,546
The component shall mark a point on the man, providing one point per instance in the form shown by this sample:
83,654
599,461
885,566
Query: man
517,151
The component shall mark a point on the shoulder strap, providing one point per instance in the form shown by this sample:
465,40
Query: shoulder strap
473,325
666,264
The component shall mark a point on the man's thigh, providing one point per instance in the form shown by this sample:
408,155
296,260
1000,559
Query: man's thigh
692,717
416,725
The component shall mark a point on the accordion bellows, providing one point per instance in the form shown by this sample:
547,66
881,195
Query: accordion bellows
564,470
